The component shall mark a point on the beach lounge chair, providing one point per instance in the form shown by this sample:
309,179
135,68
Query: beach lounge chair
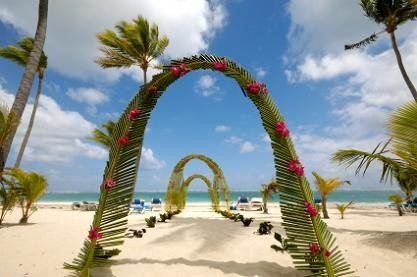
256,203
233,206
137,206
156,204
243,204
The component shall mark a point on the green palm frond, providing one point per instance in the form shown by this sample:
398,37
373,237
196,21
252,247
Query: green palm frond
8,123
403,130
300,227
365,42
349,157
20,54
104,136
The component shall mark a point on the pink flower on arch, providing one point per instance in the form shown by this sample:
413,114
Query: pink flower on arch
94,233
134,114
310,209
327,253
295,167
282,129
109,184
314,248
184,69
175,70
253,87
123,140
220,65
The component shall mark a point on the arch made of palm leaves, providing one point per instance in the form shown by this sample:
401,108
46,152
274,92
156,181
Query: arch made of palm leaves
184,189
312,245
176,191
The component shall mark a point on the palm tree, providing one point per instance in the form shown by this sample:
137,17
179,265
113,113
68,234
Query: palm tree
391,13
398,200
267,191
104,136
8,199
401,164
8,125
325,186
31,67
342,208
20,55
29,185
137,43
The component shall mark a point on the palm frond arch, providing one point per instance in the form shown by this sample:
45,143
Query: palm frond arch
212,192
177,187
314,246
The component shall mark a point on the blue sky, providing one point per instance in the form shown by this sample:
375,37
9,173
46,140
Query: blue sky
331,99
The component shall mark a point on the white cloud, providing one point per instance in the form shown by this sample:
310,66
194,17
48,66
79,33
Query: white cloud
90,96
149,161
260,72
244,146
222,128
206,86
57,135
72,52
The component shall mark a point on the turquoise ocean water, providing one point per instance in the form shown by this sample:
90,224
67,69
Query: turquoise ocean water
192,196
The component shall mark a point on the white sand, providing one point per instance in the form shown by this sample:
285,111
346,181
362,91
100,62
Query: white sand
198,242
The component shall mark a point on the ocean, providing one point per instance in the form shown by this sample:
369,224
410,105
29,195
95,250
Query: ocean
194,196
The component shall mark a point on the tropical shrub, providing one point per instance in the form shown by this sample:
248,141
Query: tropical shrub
163,217
8,199
398,201
267,191
265,228
285,244
29,186
151,221
342,208
247,221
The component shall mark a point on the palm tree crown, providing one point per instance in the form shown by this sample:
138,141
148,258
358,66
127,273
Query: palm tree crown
104,136
136,43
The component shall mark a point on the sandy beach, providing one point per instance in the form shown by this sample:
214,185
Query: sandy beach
199,242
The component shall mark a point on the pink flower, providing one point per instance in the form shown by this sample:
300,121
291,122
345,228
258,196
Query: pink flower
133,114
282,129
152,89
109,183
295,167
94,233
314,249
220,66
253,87
327,253
256,88
310,209
184,69
175,70
123,140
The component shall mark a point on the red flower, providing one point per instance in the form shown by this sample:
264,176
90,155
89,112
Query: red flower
282,129
314,249
256,88
310,209
175,70
253,87
295,167
179,71
133,114
152,89
94,233
123,140
220,66
109,183
327,253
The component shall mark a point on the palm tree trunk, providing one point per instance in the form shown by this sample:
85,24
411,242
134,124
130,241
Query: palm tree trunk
145,81
324,206
401,66
400,211
265,208
30,126
23,92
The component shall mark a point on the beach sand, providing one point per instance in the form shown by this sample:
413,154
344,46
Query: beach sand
199,242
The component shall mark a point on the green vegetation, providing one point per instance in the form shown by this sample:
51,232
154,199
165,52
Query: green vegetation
326,186
151,221
398,201
136,43
20,55
403,166
342,208
267,191
265,228
392,14
29,186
